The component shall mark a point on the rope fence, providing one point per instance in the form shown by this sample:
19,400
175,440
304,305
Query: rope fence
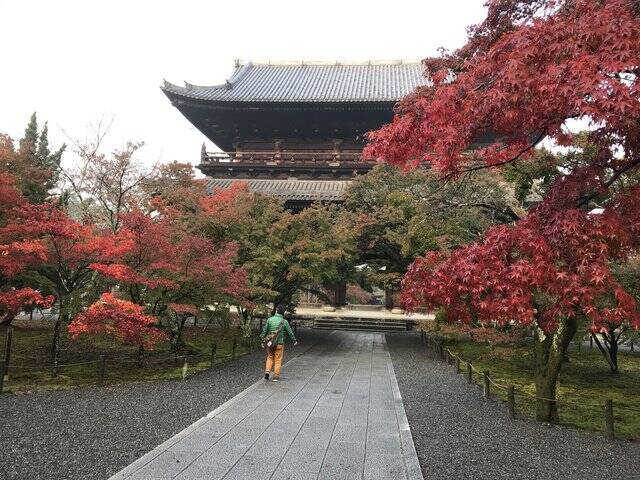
109,364
435,346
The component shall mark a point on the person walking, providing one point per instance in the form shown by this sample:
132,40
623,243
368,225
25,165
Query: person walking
272,336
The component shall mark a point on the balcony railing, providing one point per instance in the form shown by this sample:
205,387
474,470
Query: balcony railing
276,158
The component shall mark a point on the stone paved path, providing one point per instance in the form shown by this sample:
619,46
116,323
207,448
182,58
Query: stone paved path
337,414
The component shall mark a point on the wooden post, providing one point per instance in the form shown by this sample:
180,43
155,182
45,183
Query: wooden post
7,352
234,348
102,369
487,385
590,342
608,419
185,367
2,373
511,401
469,373
213,353
632,345
579,344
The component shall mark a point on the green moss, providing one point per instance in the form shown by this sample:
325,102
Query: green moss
585,383
79,359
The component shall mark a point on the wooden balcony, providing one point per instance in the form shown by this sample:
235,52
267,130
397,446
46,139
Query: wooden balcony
284,164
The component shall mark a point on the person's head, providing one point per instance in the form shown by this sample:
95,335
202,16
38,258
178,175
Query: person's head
280,309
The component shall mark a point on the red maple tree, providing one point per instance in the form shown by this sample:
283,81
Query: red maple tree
166,267
119,318
528,71
71,247
17,253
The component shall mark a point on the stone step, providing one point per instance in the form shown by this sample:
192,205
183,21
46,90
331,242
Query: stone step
361,320
359,324
369,328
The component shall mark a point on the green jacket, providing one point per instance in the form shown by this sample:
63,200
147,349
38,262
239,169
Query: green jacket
272,324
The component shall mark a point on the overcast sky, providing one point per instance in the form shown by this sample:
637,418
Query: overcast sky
76,61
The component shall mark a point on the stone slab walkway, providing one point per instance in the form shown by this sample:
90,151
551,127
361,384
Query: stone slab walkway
337,414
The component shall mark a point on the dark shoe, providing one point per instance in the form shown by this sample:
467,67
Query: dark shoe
266,375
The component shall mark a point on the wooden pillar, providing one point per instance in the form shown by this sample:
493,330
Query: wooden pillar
277,146
337,144
237,147
388,298
203,153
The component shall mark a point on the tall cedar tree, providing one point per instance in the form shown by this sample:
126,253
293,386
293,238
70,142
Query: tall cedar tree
527,70
36,167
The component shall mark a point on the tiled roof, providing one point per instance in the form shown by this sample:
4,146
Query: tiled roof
310,82
290,189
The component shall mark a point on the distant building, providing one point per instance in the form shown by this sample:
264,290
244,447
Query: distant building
294,130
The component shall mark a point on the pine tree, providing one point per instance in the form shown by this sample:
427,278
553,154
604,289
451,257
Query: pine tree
39,168
29,142
47,160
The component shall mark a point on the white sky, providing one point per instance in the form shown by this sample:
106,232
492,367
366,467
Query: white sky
75,61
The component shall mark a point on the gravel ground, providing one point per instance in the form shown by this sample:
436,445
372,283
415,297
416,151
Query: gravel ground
91,433
459,435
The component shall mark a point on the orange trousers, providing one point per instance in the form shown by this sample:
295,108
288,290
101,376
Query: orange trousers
274,360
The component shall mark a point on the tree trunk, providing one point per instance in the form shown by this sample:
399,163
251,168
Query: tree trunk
613,351
610,348
6,320
55,342
140,355
549,351
245,318
339,294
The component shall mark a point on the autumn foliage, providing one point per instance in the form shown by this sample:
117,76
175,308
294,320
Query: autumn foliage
17,253
533,70
526,71
127,253
119,318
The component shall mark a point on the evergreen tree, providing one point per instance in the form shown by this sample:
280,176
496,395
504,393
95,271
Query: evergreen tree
47,160
29,142
34,165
